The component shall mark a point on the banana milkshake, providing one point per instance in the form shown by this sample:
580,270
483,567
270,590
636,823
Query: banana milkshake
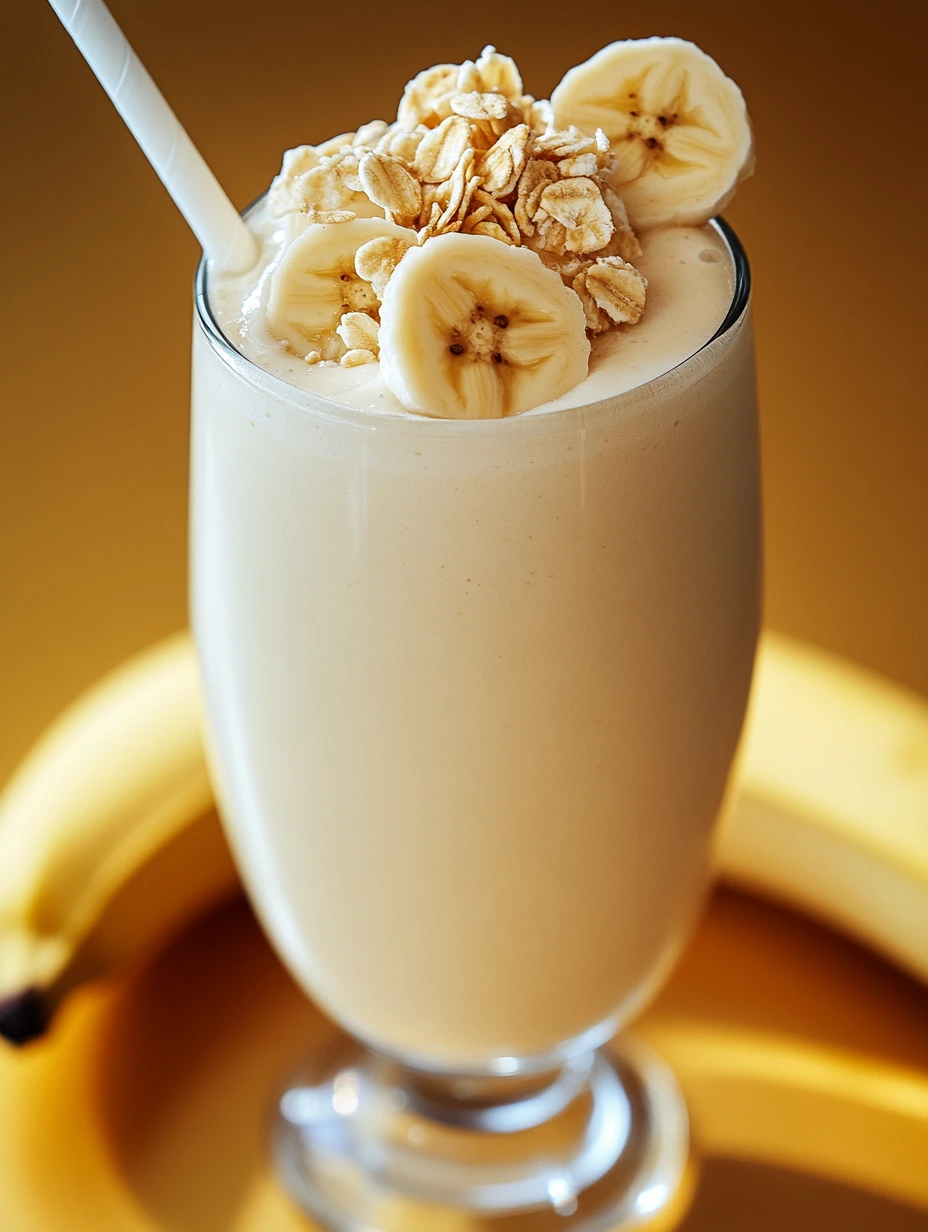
475,538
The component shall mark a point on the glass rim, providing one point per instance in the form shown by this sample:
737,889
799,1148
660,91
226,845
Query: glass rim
320,404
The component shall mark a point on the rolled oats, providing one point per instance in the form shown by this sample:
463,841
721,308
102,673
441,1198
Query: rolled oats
369,134
503,214
596,321
612,292
356,357
327,216
456,188
439,223
432,194
618,289
334,144
346,165
470,188
550,235
389,185
538,114
566,143
399,143
504,162
491,228
283,197
427,227
441,150
476,216
331,350
426,99
474,106
376,260
322,188
499,74
577,205
484,133
578,164
468,79
567,266
358,331
537,175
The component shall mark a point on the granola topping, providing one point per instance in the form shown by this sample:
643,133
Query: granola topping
390,185
611,291
470,152
376,260
472,157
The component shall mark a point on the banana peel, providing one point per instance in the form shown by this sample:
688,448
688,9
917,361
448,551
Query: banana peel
110,844
109,841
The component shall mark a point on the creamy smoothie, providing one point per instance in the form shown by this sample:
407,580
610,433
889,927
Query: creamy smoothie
474,687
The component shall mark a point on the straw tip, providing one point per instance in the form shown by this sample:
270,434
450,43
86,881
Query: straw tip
240,256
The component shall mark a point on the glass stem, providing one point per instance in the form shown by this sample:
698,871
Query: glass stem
493,1103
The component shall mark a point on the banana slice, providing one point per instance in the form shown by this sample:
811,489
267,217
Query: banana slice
315,283
678,125
474,329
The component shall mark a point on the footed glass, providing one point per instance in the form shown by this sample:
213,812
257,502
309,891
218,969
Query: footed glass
473,694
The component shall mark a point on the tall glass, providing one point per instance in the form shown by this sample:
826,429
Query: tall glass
473,693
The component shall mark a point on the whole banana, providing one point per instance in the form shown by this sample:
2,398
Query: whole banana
109,843
831,815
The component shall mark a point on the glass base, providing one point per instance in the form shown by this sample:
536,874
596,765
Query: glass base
602,1143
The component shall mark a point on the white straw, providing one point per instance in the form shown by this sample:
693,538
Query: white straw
195,190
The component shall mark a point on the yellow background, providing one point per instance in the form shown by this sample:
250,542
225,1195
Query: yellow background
98,265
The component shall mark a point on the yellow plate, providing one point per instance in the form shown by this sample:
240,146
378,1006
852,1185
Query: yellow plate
804,1061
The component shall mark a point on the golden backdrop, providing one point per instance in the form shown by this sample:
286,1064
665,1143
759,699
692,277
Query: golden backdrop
98,265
